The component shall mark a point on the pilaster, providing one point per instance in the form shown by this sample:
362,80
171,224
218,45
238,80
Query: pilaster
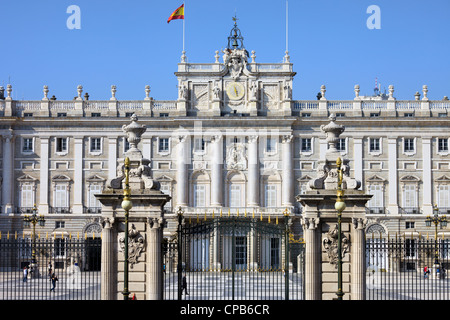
253,172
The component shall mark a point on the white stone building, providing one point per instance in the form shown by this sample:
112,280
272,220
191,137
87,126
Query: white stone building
234,141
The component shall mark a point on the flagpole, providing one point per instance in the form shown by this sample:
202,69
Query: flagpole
184,19
287,26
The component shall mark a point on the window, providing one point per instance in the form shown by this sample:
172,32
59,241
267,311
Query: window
374,145
410,197
93,190
306,115
443,196
27,145
235,196
199,145
26,196
199,195
165,188
96,114
61,144
61,199
27,115
126,145
96,144
271,195
61,115
408,145
306,145
270,145
275,252
128,114
341,145
374,115
340,115
442,115
409,225
60,247
408,115
410,248
377,199
163,145
163,115
442,145
59,224
241,251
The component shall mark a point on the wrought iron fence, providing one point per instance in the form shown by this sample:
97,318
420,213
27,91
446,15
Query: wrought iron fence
27,268
407,268
233,258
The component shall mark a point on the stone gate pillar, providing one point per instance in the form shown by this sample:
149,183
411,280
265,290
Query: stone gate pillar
320,227
145,227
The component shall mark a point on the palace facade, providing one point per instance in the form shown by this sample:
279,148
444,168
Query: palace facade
233,142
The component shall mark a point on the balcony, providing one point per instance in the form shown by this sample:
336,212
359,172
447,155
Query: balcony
60,210
22,210
376,210
409,210
92,210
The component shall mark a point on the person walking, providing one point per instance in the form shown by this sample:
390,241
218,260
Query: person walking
53,280
425,272
49,270
25,274
184,287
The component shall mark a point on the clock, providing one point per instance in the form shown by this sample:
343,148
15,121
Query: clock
235,90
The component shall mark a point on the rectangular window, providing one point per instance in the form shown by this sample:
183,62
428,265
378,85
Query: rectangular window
409,225
443,145
93,190
26,196
409,145
235,196
199,145
61,196
27,145
59,224
377,199
271,195
306,115
408,115
275,252
165,188
96,144
306,145
444,196
341,145
410,248
163,115
60,247
61,115
270,145
374,144
410,197
163,145
340,115
374,115
61,144
96,115
27,115
199,195
241,252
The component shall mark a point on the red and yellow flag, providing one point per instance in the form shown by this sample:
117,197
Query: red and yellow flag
177,14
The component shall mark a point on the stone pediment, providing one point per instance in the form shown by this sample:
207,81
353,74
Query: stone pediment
164,178
61,178
304,178
95,178
376,178
26,178
443,178
409,178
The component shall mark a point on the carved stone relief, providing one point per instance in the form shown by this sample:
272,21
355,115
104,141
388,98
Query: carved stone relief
330,244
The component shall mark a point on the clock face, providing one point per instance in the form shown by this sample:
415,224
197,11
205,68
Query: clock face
235,90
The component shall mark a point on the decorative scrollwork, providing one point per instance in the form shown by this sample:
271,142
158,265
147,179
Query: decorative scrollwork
330,244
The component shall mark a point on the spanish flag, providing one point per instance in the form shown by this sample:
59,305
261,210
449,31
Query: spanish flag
177,14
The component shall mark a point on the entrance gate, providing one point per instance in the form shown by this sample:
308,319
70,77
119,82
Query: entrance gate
233,258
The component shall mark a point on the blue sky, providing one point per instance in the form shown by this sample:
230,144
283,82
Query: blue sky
129,44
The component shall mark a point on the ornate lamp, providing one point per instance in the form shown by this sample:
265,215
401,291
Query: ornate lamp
339,206
126,205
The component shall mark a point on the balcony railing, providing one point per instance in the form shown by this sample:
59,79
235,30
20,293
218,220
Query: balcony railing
376,210
60,210
92,209
409,210
24,210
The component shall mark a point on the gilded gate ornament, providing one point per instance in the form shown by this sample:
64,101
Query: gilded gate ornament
330,244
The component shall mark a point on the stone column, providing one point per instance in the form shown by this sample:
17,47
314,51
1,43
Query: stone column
358,160
312,256
43,179
393,184
112,157
182,172
288,172
78,176
8,173
427,200
358,266
109,261
216,172
253,172
154,260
